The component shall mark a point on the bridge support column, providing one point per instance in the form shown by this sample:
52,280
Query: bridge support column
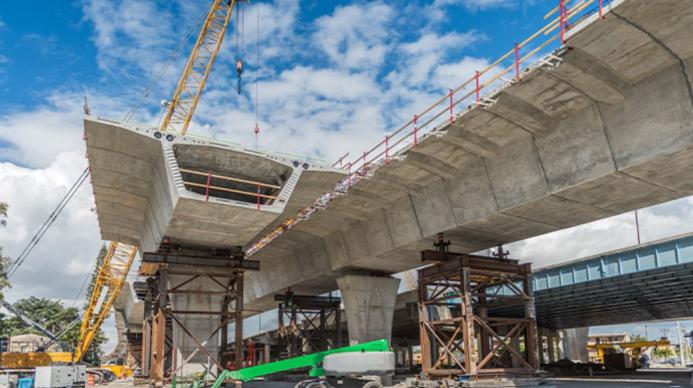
369,302
574,342
551,339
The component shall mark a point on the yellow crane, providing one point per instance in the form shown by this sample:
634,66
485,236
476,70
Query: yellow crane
112,273
636,346
109,281
192,82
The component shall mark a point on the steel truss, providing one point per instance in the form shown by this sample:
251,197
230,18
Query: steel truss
460,332
308,324
158,352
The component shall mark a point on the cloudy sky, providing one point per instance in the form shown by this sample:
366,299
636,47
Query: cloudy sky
331,78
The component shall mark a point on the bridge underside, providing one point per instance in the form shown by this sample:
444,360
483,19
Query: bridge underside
606,129
656,294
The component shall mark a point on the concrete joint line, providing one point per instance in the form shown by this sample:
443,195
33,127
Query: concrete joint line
659,42
605,129
416,215
534,145
530,220
490,183
670,190
558,78
452,208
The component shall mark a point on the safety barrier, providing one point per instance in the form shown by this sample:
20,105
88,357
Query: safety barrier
208,185
430,118
442,112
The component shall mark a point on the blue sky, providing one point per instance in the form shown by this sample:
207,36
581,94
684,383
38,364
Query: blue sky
333,76
376,55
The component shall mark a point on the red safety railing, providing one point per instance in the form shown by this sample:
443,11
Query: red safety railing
410,133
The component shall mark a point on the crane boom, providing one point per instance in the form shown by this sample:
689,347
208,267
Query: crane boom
192,82
109,281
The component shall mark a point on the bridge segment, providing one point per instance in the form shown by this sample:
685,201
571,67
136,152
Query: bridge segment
597,128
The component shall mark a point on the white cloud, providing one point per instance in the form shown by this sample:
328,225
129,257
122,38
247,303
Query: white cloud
62,260
356,36
480,5
656,222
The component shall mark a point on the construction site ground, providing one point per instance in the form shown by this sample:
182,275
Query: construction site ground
656,378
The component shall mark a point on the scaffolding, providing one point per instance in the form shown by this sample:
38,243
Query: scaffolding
461,330
308,324
223,270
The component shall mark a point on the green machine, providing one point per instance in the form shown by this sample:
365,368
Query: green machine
314,361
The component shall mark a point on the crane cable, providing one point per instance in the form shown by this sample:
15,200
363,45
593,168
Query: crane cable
169,61
14,266
257,76
240,23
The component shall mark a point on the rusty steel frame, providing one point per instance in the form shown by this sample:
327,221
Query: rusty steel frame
460,332
304,324
158,352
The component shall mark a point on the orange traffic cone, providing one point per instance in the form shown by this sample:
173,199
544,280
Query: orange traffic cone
91,379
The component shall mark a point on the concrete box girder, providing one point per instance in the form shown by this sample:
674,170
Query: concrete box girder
141,194
567,145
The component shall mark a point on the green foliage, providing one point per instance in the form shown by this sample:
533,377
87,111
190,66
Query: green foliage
4,260
54,316
3,213
638,338
663,352
99,261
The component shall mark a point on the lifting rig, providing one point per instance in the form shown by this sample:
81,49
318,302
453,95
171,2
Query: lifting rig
192,82
109,282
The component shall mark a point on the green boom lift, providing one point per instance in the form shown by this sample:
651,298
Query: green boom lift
314,361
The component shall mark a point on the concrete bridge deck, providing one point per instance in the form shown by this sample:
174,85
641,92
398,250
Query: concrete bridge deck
602,126
604,129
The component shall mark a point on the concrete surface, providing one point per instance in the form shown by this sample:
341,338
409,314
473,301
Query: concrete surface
608,130
369,303
141,196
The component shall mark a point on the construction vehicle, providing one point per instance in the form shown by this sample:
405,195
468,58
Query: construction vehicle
109,282
636,349
363,364
40,357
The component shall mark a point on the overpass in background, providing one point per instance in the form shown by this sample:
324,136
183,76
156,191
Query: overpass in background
600,126
646,282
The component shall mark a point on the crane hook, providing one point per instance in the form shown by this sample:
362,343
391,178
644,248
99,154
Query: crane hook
239,71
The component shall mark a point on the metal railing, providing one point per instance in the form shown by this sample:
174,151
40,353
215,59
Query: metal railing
442,112
208,185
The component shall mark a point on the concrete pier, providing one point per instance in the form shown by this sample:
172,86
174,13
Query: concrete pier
369,302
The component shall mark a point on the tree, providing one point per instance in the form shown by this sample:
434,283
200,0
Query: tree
4,260
55,317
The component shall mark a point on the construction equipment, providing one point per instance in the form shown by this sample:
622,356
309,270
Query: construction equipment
109,281
192,82
369,358
636,348
16,360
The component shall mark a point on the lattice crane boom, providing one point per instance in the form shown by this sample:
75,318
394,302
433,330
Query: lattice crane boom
192,82
109,282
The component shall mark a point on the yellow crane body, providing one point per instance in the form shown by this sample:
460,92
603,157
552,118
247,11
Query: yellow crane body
109,281
602,348
192,82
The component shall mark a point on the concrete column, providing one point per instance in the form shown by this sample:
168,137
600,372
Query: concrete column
191,298
540,343
551,338
574,343
369,302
